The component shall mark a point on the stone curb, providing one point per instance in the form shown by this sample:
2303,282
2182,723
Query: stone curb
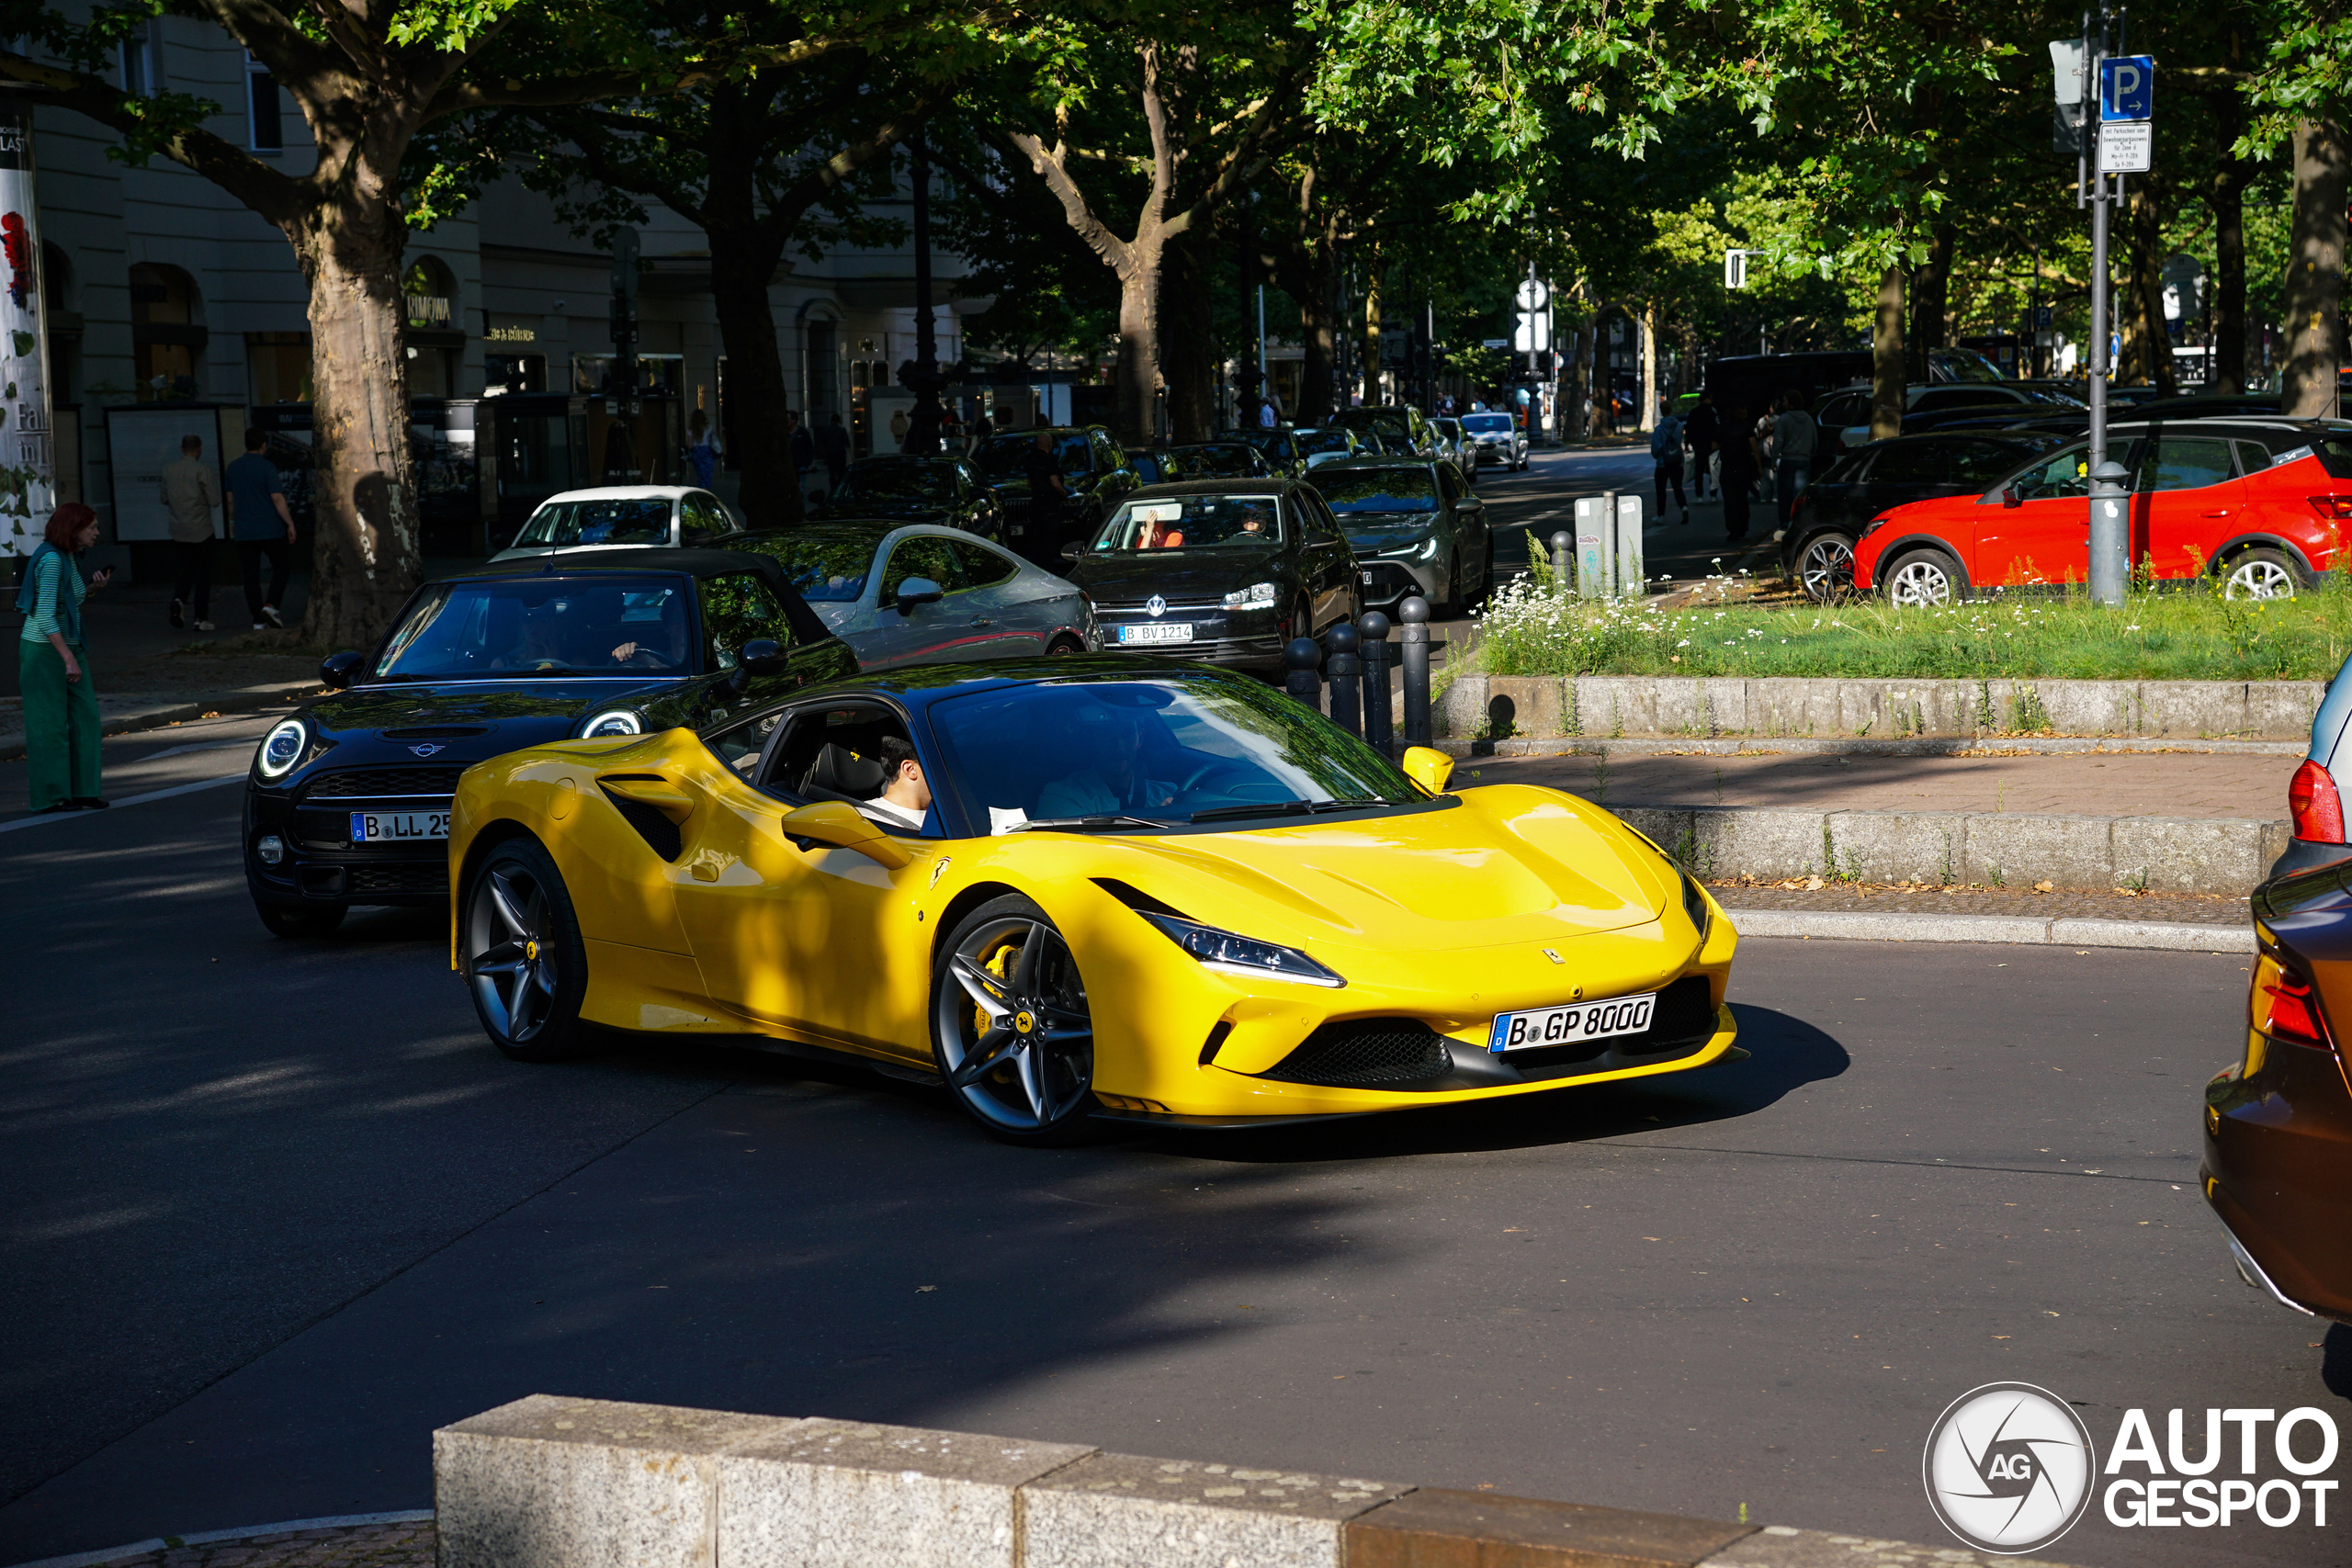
245,699
1849,746
215,1538
2165,854
1777,706
556,1483
2023,930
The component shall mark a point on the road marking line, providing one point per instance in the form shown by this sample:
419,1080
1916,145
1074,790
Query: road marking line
46,818
199,746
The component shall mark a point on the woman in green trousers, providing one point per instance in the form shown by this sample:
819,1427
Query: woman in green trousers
60,708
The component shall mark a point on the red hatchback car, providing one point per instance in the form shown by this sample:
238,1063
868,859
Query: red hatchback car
2261,504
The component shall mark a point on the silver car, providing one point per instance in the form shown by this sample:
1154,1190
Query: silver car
617,516
1499,438
1454,442
926,594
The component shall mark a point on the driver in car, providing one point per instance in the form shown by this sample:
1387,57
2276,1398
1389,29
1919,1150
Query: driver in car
905,800
1114,783
665,648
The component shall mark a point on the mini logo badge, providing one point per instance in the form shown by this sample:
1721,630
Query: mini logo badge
2010,1468
1155,606
426,750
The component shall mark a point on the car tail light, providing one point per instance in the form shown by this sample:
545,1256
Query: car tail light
2335,508
2283,1006
2317,810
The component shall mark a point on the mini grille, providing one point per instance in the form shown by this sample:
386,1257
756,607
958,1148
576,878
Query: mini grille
1370,1053
433,877
352,783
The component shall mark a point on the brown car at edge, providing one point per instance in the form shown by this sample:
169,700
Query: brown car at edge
2278,1165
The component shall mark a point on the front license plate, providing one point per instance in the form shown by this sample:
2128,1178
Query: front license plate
376,826
1170,631
1578,1020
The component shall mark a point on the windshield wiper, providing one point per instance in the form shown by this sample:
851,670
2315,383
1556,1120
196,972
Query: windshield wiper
1353,804
1264,809
1086,824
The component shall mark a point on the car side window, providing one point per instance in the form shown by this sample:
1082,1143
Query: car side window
2066,473
983,567
923,556
699,520
2187,462
738,608
741,743
1449,480
834,752
2253,456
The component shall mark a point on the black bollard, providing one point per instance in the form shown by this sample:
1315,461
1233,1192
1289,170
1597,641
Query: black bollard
1305,683
1347,677
1415,613
1379,727
1563,563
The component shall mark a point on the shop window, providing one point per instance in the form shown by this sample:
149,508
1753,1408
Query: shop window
166,341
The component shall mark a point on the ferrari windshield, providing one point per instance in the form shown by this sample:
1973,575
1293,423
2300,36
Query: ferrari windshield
631,520
1191,522
1377,489
1150,751
609,625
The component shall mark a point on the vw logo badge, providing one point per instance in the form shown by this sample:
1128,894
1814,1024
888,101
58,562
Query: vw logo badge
424,751
1155,606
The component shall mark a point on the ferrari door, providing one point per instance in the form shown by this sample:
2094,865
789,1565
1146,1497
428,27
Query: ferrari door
817,941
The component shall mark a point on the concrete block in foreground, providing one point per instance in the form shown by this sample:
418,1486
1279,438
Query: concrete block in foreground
2166,935
554,1483
824,1493
1778,1545
1438,1529
1123,1511
1843,925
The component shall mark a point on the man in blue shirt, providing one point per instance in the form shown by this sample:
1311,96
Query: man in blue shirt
260,522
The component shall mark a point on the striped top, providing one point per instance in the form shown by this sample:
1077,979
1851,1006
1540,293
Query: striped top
50,579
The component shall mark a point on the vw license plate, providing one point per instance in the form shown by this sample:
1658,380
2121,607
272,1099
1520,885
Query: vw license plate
376,826
1158,631
1578,1020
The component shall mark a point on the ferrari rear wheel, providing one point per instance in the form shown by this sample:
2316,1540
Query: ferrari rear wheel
524,964
1010,1025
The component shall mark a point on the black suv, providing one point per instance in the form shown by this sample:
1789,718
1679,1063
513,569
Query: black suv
1093,469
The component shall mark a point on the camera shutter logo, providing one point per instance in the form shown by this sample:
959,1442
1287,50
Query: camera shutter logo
2010,1468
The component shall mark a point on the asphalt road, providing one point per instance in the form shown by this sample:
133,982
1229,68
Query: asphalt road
1541,501
271,1211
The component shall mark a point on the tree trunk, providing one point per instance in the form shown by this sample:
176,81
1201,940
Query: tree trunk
2225,198
1321,326
365,559
2315,272
1580,412
1930,302
1188,358
1136,392
1372,393
1887,380
1647,419
2147,346
741,267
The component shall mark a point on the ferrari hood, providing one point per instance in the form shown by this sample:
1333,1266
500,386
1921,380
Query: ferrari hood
1509,864
1176,574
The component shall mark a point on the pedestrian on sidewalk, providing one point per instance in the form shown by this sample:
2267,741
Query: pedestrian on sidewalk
702,449
1703,430
191,495
1795,436
52,662
833,444
1666,456
263,527
1740,464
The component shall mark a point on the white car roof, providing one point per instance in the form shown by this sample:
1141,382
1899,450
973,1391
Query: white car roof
627,492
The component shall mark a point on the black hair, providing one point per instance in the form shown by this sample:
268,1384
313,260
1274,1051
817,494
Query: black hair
256,439
895,751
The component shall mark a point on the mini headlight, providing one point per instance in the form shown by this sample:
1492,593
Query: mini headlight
620,721
281,748
1232,954
1257,596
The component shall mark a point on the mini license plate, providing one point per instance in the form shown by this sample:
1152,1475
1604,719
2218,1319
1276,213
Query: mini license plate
376,826
1578,1020
1157,631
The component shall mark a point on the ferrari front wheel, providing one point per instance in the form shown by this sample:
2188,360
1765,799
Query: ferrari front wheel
525,963
1010,1025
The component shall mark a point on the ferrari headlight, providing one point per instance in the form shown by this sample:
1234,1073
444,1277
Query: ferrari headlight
1257,596
282,747
618,721
1229,953
1695,904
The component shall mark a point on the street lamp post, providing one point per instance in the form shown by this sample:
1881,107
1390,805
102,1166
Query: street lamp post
922,378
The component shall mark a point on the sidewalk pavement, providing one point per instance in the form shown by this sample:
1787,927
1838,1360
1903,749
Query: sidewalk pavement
403,1541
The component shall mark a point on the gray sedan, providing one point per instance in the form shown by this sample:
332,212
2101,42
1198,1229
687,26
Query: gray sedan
921,594
1415,528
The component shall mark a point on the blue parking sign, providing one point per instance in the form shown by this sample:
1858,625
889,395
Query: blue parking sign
2127,88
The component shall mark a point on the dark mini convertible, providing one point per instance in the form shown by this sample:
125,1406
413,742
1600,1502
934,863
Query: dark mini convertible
348,799
1223,571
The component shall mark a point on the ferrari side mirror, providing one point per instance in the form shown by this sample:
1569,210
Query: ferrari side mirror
1427,767
841,826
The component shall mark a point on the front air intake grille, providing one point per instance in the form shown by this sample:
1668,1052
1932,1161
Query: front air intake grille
1367,1053
431,877
375,784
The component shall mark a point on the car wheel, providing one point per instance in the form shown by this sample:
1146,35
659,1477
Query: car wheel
1923,577
2263,573
1452,604
1009,1028
300,919
524,962
1063,646
1826,568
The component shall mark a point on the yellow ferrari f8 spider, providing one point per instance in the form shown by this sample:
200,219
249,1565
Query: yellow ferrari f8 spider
1092,886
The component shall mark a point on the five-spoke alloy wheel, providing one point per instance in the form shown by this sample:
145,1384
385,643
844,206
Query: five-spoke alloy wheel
1010,1025
524,964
